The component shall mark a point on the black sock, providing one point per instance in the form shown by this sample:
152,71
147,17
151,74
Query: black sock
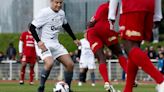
85,74
81,77
93,77
68,78
44,76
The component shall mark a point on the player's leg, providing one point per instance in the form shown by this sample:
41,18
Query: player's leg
116,49
81,76
48,63
22,74
32,64
92,73
69,65
85,74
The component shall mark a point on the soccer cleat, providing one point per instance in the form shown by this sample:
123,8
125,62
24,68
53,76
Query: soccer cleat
93,84
135,84
31,83
80,84
109,87
41,89
21,82
160,87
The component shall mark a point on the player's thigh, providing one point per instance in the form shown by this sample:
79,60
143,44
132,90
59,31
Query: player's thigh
116,49
132,26
94,40
148,27
66,61
82,64
91,65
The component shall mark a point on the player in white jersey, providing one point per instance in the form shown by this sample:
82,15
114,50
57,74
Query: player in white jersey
87,61
48,24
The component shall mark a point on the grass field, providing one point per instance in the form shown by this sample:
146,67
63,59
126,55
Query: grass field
15,87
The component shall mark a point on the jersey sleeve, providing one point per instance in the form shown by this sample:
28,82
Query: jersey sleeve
65,20
158,11
113,5
97,15
40,19
22,37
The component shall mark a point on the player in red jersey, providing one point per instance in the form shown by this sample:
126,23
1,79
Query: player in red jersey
136,22
98,35
27,54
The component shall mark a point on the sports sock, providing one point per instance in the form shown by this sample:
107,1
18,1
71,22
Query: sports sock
23,69
131,74
93,77
85,75
141,59
104,72
68,78
123,62
81,77
44,76
31,74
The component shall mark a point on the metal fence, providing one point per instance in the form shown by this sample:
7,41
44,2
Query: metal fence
10,70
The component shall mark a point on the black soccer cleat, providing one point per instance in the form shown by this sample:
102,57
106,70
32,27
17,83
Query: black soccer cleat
41,89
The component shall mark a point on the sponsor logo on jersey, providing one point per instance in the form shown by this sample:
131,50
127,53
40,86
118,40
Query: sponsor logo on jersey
130,33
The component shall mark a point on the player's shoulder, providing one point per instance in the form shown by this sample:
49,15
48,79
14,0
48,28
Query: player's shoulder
61,12
45,11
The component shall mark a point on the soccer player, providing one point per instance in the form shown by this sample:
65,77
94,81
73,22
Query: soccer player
136,22
98,35
48,24
87,61
27,54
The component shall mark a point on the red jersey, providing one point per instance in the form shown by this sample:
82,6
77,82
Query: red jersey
102,12
138,5
28,44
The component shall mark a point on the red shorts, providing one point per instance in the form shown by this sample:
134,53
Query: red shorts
98,37
136,26
28,59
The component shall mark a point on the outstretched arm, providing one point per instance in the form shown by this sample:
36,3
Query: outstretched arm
70,32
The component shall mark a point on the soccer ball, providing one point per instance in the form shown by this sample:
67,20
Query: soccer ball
61,86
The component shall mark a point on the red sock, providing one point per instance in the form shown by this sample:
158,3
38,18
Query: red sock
131,74
22,73
141,59
31,74
104,72
123,62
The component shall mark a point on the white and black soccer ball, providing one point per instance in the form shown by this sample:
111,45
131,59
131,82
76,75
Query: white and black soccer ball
61,86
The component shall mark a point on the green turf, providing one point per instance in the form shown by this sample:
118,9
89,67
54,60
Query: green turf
15,87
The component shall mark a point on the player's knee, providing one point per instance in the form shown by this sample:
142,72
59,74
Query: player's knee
70,67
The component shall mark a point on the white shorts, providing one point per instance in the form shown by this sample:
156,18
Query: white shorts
54,49
90,64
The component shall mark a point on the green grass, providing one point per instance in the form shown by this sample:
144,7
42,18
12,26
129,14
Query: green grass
15,87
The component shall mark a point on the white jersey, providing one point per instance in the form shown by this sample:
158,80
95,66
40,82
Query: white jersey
87,58
49,23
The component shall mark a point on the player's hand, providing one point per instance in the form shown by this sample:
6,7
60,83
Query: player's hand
111,23
77,42
42,46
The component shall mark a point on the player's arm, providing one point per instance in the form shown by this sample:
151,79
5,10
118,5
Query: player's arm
20,48
35,35
68,29
157,13
112,11
113,5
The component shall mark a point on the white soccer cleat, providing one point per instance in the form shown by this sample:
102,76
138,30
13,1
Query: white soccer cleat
109,87
160,87
93,84
80,84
